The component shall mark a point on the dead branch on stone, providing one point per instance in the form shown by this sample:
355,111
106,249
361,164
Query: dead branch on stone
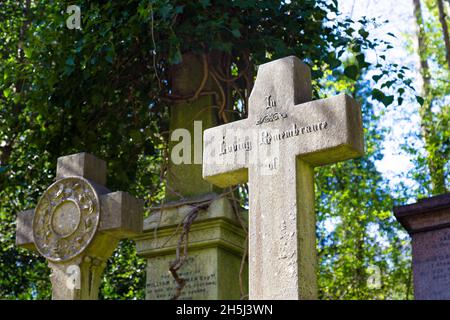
183,241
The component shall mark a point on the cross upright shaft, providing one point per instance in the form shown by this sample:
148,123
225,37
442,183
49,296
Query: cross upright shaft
275,149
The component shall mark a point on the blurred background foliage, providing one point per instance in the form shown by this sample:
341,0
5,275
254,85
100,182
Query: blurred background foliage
102,90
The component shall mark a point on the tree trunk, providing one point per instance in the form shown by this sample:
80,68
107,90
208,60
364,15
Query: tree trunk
435,167
443,22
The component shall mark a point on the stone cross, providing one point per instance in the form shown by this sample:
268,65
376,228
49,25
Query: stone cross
275,149
77,224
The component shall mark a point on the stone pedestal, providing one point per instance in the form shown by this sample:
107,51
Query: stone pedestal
428,223
216,245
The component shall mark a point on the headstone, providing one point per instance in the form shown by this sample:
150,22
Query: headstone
216,240
77,224
275,149
215,248
428,224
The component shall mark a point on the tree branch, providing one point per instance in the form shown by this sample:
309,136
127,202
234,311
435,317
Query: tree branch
444,26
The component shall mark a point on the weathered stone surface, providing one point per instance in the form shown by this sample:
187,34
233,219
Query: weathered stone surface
77,224
24,233
428,223
216,239
216,245
83,165
275,149
185,180
114,221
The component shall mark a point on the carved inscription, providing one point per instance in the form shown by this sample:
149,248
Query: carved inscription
432,267
271,113
246,145
266,137
199,285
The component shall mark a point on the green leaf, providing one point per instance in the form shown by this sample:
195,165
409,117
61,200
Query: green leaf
334,63
70,61
363,33
376,78
349,31
361,62
388,84
420,100
28,52
236,33
7,92
378,95
387,100
351,72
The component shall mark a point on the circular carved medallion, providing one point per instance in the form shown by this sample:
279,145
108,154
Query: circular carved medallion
66,219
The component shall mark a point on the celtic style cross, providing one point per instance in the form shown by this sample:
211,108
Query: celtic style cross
275,149
77,224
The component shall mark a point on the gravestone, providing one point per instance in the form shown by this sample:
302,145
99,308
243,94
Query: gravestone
216,239
77,224
215,251
275,149
428,224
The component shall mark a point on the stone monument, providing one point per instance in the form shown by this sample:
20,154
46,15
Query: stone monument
275,149
428,224
77,224
216,240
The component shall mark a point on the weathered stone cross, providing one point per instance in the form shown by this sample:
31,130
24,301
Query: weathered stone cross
77,224
275,149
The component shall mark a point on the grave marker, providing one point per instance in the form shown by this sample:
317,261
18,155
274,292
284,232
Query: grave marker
77,224
275,149
216,239
428,224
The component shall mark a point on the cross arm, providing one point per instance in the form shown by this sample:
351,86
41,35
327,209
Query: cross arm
122,215
24,230
226,153
341,133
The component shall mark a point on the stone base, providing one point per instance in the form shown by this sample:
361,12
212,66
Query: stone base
216,246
